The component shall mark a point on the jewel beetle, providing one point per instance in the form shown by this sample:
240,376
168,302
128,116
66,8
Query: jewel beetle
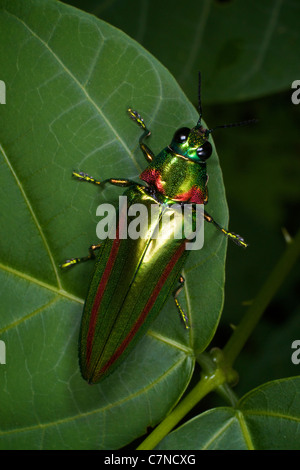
133,276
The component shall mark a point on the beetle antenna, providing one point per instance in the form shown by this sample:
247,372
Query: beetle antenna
209,131
199,101
233,124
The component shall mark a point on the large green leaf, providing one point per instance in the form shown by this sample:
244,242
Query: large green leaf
69,79
244,49
267,418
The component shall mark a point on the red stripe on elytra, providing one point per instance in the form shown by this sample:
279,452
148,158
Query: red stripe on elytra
146,310
99,295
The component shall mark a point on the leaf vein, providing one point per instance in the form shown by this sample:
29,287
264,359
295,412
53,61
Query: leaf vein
33,215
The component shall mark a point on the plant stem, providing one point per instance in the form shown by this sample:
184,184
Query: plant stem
256,309
203,387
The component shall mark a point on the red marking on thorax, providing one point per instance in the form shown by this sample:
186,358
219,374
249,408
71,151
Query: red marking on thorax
194,195
153,177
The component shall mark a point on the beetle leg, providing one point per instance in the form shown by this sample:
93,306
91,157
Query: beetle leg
84,177
233,236
122,182
81,176
148,154
71,262
184,317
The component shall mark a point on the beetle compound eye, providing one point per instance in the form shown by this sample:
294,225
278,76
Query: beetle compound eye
205,151
181,135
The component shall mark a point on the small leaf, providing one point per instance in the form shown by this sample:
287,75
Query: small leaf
267,418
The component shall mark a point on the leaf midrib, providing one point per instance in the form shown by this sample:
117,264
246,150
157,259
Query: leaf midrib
34,217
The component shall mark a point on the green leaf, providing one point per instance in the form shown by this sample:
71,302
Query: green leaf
69,80
267,418
243,49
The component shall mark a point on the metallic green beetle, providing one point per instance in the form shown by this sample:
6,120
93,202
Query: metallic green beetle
133,277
